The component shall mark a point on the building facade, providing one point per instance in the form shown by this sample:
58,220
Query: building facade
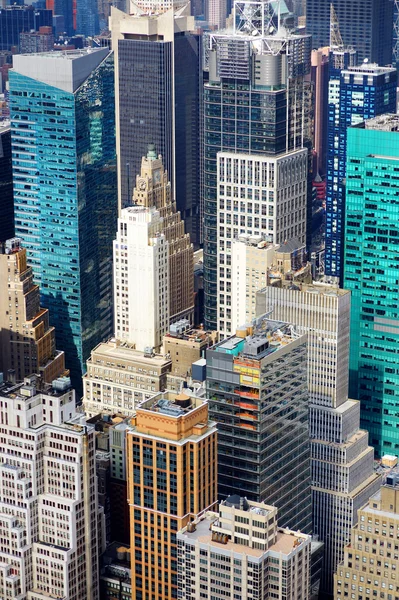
141,278
253,558
257,389
370,564
48,495
15,19
354,94
342,469
119,377
366,25
6,191
252,105
36,41
262,197
87,18
157,58
64,189
153,190
370,273
172,478
27,342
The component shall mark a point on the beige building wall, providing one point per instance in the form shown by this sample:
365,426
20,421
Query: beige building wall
371,560
256,559
119,377
27,342
186,348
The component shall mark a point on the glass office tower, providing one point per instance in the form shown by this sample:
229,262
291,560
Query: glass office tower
258,395
63,152
256,101
371,272
354,94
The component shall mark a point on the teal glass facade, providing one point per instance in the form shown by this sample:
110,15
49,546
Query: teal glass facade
64,163
371,272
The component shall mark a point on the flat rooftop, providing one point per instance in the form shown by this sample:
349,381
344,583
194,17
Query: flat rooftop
172,404
67,54
259,339
117,351
27,391
285,543
388,122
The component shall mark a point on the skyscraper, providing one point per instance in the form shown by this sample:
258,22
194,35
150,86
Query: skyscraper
27,342
157,102
366,25
154,190
172,478
371,274
355,93
62,110
48,495
257,389
342,471
87,19
255,560
6,191
256,101
141,280
262,197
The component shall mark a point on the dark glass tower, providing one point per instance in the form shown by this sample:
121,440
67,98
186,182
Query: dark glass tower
87,19
63,142
6,193
366,25
256,101
355,94
15,19
257,389
157,101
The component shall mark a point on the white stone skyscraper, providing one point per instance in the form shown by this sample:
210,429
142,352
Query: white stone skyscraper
141,278
48,495
342,471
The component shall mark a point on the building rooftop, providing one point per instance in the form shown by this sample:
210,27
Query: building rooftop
172,404
66,70
33,386
387,122
115,350
258,339
286,541
368,68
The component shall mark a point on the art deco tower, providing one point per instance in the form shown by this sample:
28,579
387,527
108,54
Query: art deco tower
153,190
27,342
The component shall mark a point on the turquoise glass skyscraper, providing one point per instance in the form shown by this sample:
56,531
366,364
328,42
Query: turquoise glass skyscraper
371,272
64,166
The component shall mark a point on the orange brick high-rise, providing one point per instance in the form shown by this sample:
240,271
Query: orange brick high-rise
172,478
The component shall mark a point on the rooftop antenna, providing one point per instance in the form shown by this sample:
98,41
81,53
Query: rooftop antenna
336,42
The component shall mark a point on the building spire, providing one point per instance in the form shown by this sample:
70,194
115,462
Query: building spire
336,42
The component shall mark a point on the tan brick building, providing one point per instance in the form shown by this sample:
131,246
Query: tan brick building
371,560
27,342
